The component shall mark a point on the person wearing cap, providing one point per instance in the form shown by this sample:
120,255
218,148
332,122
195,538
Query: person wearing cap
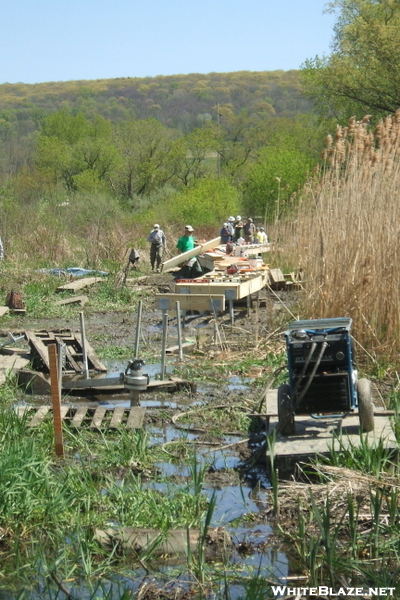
190,268
186,242
225,233
231,228
249,230
237,227
261,237
158,243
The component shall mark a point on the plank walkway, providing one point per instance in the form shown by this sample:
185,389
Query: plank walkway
86,416
315,437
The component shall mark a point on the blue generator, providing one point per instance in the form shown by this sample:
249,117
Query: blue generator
323,381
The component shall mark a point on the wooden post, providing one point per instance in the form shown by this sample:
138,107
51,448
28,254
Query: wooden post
56,400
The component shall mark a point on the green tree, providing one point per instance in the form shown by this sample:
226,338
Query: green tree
145,157
208,202
196,155
273,180
362,72
77,152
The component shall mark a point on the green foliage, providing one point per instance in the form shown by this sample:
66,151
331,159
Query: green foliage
273,180
206,203
360,74
76,151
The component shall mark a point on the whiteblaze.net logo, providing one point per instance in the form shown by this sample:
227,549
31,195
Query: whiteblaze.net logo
322,590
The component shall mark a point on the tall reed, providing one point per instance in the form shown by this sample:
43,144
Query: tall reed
345,234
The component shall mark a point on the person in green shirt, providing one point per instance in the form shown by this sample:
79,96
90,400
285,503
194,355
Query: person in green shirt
191,268
186,242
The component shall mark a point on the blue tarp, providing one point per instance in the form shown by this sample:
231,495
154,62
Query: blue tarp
74,271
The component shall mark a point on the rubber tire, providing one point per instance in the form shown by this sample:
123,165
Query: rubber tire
365,406
285,413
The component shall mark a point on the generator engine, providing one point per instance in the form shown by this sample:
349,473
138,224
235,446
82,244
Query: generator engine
322,377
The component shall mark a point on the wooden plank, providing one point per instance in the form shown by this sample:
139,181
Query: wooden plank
64,411
239,286
98,417
116,419
210,289
188,346
74,364
200,302
4,310
276,276
11,364
79,416
91,354
79,284
37,345
38,418
21,410
136,418
82,300
181,258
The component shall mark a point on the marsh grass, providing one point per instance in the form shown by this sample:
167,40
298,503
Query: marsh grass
49,508
345,234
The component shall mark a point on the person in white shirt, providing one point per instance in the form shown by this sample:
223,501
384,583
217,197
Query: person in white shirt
158,243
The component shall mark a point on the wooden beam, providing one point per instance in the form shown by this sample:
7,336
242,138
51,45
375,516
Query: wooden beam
200,302
81,300
79,284
181,258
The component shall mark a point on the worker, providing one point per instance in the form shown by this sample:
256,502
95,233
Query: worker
191,268
186,242
231,228
158,243
225,233
261,236
249,230
237,226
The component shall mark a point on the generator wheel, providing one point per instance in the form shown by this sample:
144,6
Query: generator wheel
365,406
285,413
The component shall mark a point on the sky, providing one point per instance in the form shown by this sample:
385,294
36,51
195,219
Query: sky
64,40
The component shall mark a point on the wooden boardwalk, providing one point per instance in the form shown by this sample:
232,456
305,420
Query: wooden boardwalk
98,417
315,437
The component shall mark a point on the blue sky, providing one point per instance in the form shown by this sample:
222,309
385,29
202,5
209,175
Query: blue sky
62,40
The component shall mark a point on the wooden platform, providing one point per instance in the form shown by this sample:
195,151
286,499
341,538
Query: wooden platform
40,340
86,416
233,288
320,436
200,302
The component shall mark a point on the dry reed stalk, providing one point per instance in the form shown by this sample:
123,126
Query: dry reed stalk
346,234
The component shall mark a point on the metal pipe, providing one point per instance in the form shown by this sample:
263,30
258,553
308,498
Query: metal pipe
60,355
164,342
138,327
179,328
84,352
231,311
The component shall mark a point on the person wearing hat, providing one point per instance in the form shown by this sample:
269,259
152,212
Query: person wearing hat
186,242
249,230
191,268
261,236
225,233
231,228
237,228
158,243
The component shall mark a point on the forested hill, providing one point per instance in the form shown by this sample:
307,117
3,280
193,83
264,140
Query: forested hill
178,101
